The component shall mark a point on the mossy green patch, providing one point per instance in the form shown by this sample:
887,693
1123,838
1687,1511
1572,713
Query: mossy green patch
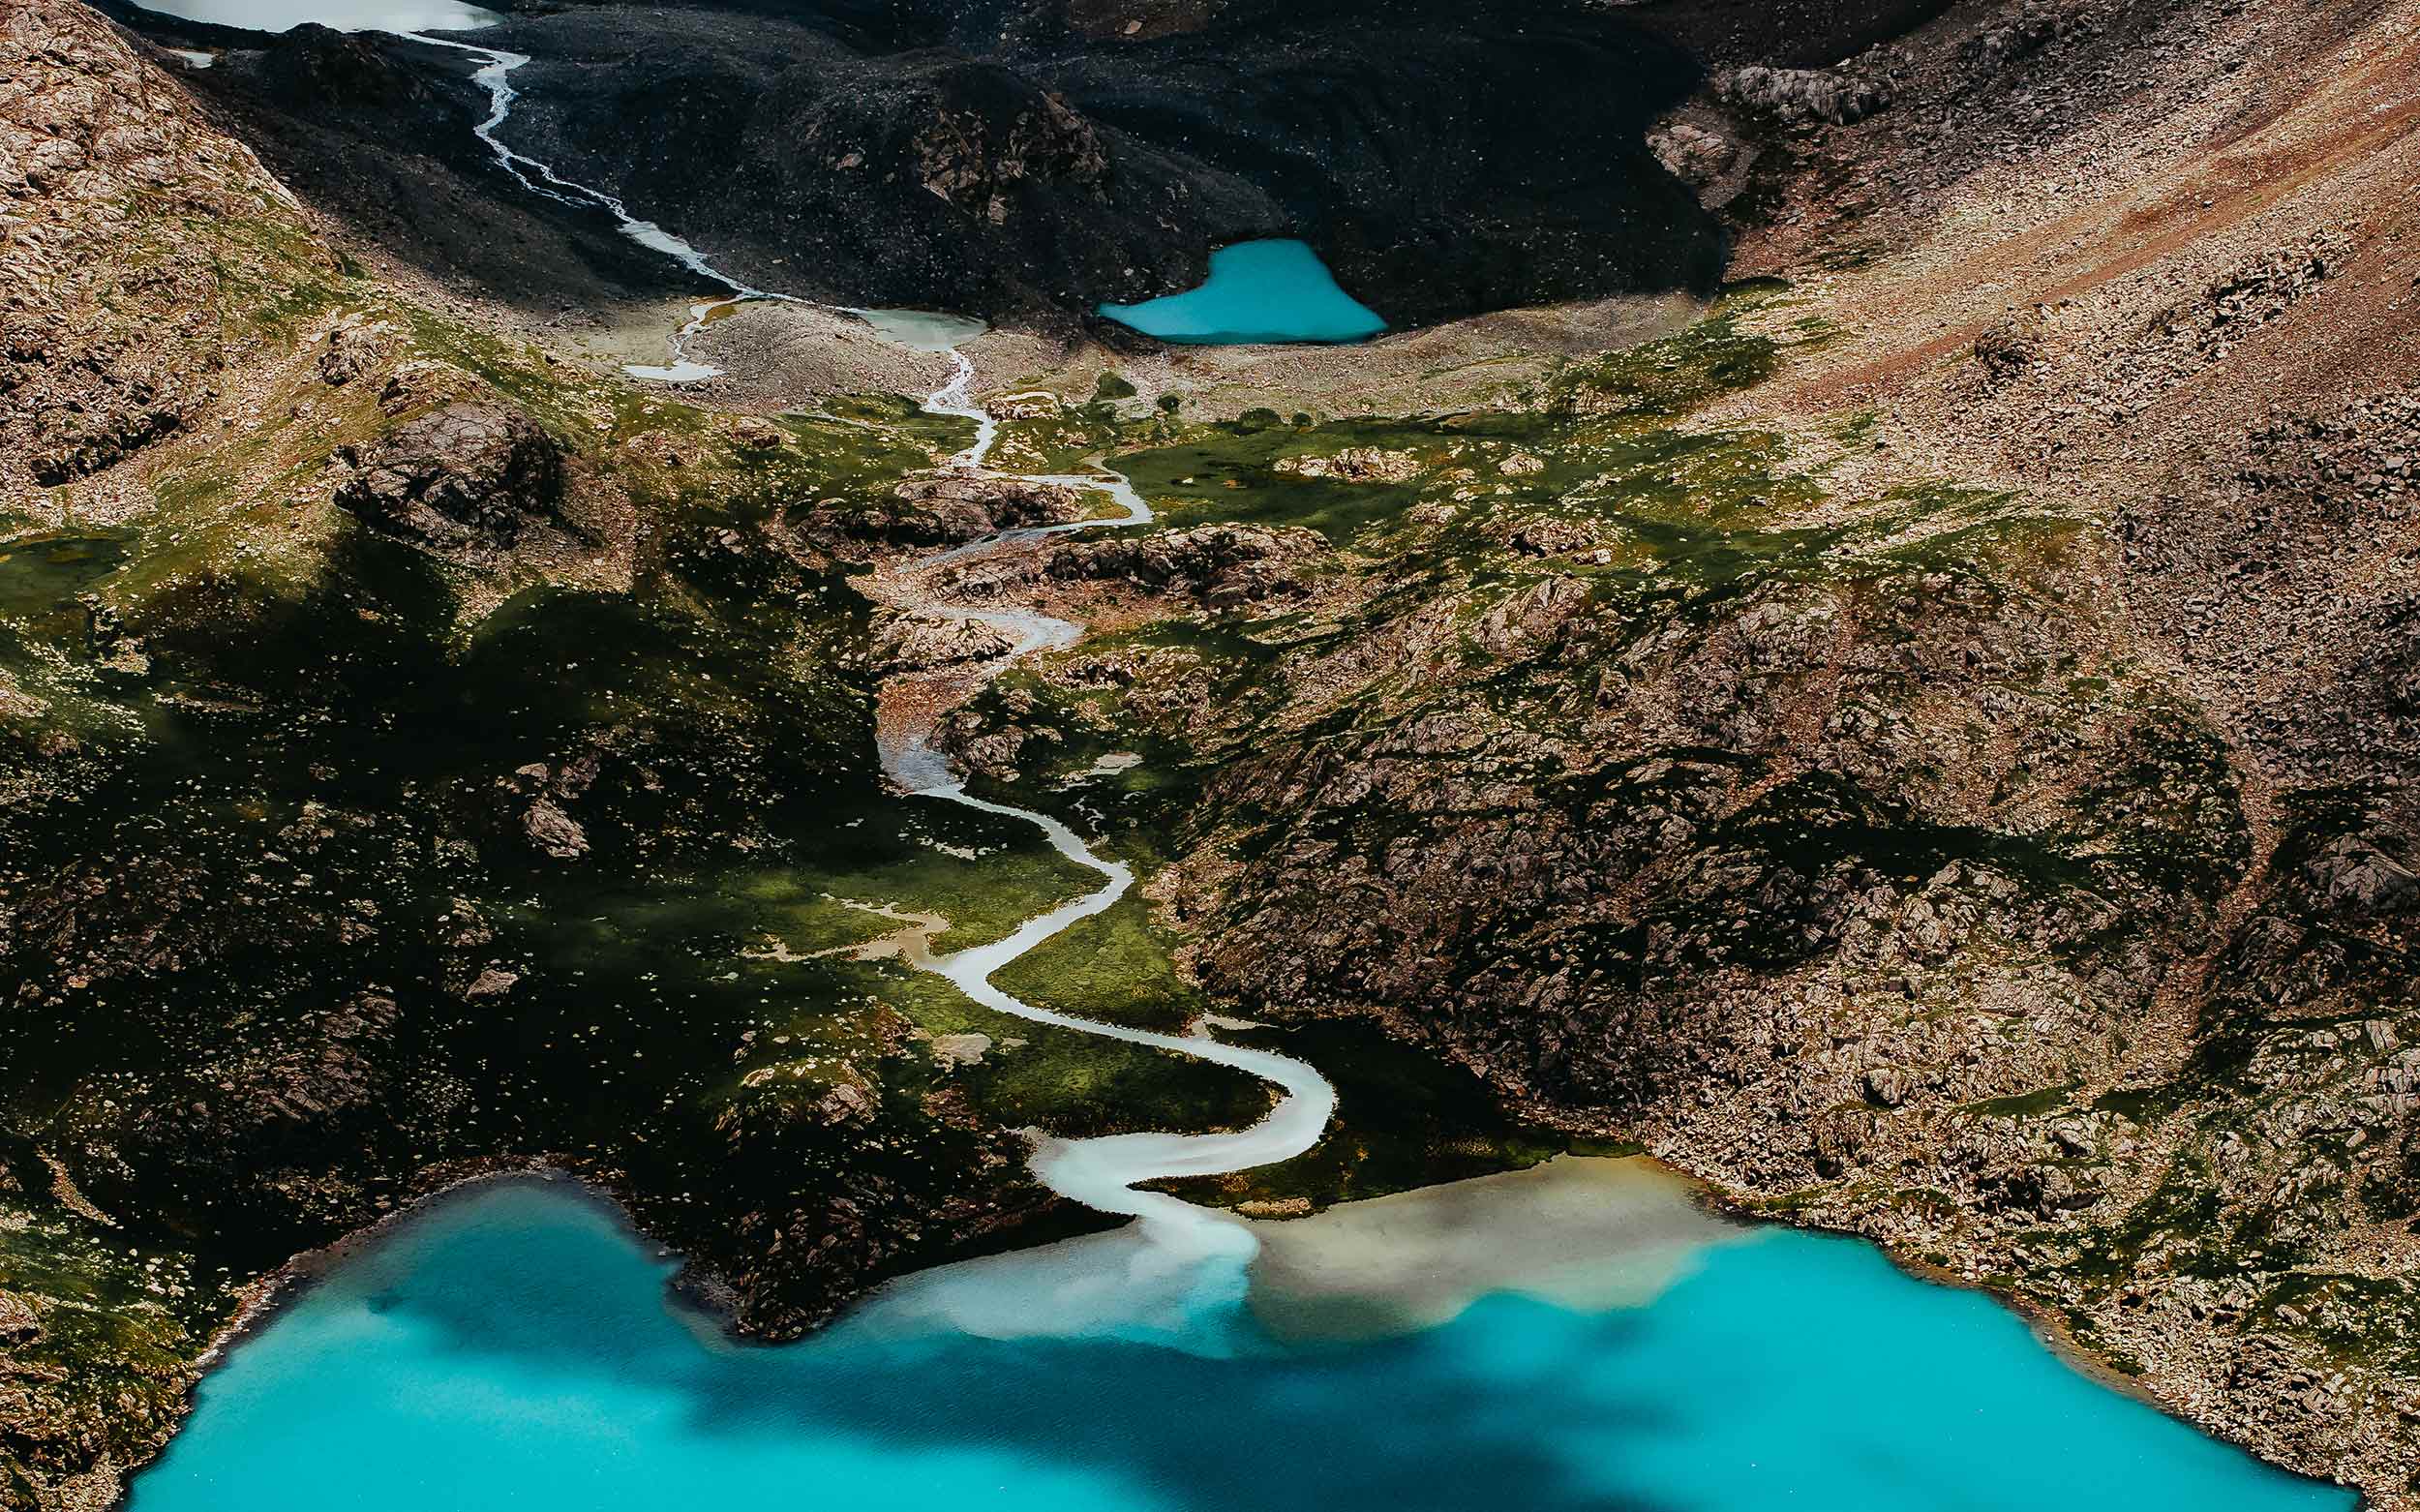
1668,379
1404,1118
1113,966
2036,1103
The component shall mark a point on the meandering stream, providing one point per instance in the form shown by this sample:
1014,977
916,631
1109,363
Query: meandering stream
1103,1172
1581,1338
1100,1172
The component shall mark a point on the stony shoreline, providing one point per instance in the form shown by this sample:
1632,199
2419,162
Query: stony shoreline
2167,1392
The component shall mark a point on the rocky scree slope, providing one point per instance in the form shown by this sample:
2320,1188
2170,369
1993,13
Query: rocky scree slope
134,235
377,132
1946,772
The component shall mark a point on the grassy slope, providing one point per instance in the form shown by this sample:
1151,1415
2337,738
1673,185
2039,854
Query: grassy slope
265,837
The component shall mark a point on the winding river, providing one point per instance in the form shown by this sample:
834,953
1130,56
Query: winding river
1578,1338
1102,1173
1178,1238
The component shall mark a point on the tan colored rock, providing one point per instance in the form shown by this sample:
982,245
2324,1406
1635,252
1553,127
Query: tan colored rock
915,643
756,434
493,982
20,1324
1275,1208
353,348
1032,405
849,1102
553,831
1354,465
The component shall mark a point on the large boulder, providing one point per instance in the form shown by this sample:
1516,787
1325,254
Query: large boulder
2354,878
915,643
946,509
1225,566
553,831
462,481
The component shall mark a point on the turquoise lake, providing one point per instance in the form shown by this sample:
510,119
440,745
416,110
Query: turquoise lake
1256,292
513,1347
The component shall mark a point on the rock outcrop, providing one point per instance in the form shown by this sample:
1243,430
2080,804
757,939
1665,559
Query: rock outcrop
946,509
1799,97
916,643
553,831
354,350
103,356
462,481
1220,566
1353,464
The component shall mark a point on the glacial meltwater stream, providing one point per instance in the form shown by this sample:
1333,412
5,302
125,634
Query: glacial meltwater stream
1176,1249
1577,1337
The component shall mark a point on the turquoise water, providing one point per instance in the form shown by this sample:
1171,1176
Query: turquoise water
1258,292
512,1348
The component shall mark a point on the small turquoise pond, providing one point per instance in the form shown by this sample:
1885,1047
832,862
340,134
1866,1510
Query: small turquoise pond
1258,292
513,1348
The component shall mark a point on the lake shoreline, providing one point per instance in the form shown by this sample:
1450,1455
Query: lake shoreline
259,1300
272,1297
2047,1327
690,1296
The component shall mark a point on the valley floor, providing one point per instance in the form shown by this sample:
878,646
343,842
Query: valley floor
1927,743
